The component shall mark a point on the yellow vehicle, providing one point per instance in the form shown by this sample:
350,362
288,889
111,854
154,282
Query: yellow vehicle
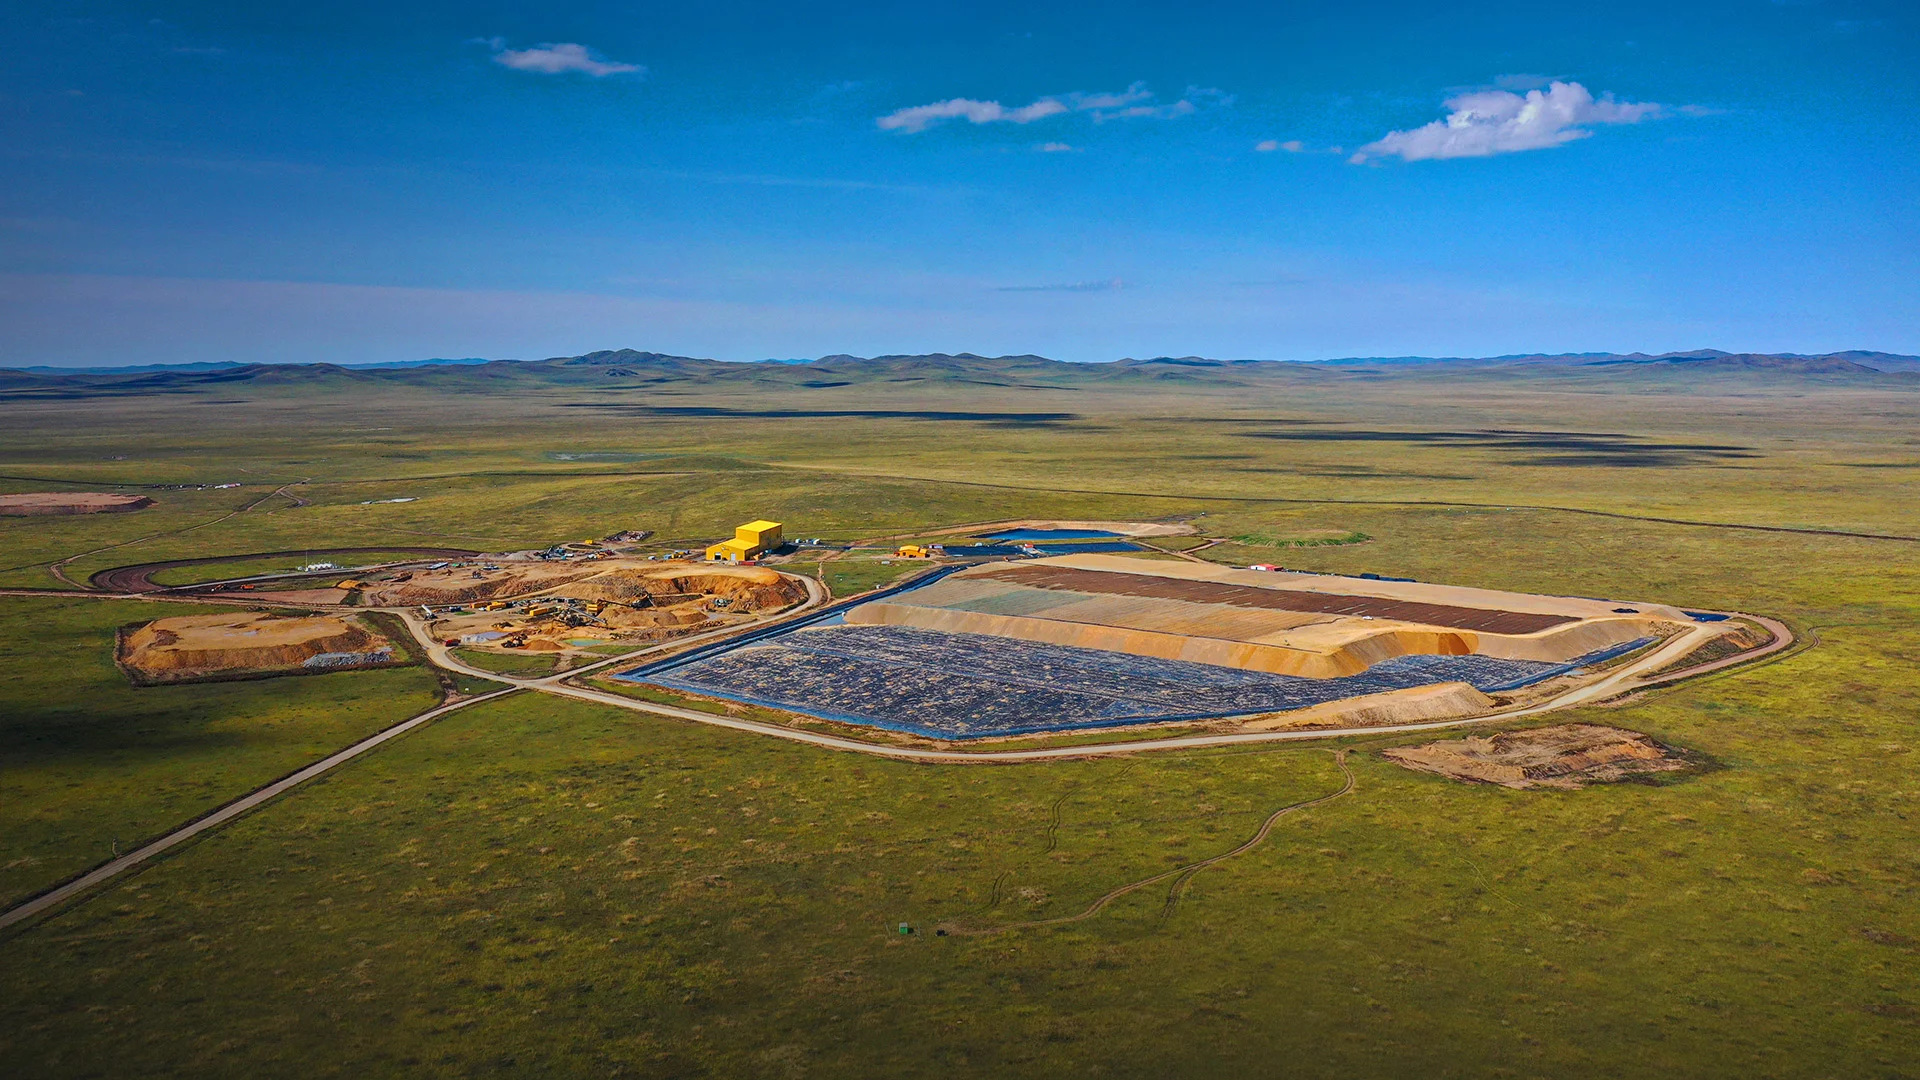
913,551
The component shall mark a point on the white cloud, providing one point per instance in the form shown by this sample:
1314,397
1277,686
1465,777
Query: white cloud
1056,148
1291,146
922,117
1488,122
559,58
1135,102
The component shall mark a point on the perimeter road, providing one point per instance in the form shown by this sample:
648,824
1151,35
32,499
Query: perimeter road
1626,679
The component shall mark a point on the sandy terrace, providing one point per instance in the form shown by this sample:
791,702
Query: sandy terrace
201,646
591,601
618,581
1293,624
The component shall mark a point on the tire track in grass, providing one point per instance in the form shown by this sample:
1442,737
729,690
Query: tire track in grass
1053,819
58,567
1181,874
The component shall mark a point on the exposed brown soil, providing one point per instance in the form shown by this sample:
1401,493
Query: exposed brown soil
1565,756
629,582
70,502
192,647
1744,639
1486,620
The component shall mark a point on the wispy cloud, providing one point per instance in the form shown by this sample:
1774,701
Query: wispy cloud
1291,146
1055,148
1135,102
1078,286
559,58
922,117
1487,122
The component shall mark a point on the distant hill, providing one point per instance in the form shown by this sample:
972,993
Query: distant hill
226,365
632,368
1702,358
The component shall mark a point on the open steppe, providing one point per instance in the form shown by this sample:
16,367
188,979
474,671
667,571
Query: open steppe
533,884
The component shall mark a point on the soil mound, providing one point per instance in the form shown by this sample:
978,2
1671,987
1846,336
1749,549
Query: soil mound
1440,702
70,502
1566,756
1743,638
747,589
194,647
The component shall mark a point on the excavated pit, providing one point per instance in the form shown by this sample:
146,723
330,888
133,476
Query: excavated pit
199,647
1565,756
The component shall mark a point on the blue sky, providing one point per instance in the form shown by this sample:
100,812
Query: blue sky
368,182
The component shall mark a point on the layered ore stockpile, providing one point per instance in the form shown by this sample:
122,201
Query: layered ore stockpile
1093,641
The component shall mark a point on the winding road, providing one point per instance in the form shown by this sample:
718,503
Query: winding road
139,577
1628,678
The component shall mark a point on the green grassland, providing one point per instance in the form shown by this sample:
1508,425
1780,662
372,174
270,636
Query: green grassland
523,664
541,885
859,572
239,568
90,760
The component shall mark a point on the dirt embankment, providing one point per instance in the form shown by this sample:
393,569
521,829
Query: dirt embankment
1565,756
238,644
1443,701
1742,638
635,584
50,503
749,589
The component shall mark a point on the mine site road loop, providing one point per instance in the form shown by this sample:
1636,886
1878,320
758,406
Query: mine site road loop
138,578
1625,680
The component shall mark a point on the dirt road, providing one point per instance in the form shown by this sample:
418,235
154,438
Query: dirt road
227,813
139,578
1625,679
58,568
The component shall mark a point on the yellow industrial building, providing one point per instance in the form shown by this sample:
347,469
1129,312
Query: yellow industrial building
749,540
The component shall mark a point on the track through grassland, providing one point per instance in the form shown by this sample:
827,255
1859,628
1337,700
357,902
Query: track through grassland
1623,680
1180,875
